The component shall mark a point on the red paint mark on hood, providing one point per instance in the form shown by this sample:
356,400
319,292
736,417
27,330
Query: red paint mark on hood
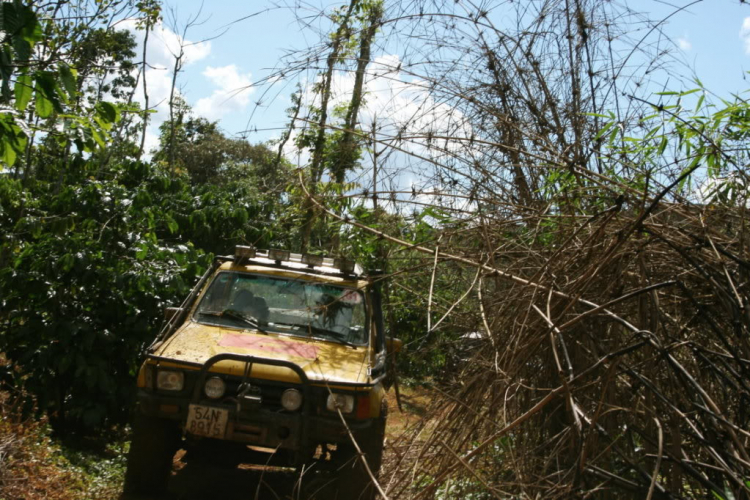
307,351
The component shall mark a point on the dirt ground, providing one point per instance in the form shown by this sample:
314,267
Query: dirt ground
204,481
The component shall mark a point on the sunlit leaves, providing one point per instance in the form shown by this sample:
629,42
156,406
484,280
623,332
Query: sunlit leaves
23,90
12,138
107,114
700,150
87,271
52,87
68,79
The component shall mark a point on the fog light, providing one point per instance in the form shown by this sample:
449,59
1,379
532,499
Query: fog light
291,399
170,381
214,388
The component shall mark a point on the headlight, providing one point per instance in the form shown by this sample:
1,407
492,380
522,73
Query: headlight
214,388
170,381
291,399
342,402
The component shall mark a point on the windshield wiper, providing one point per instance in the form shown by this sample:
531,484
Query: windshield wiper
329,334
236,315
323,333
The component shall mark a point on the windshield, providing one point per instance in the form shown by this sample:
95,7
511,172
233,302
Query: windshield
284,305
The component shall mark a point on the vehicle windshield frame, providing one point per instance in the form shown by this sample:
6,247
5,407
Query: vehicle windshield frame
276,329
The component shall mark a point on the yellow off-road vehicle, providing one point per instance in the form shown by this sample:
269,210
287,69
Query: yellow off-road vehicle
274,353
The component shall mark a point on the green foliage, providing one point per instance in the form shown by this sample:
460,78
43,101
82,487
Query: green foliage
89,263
100,471
52,87
85,276
104,57
700,149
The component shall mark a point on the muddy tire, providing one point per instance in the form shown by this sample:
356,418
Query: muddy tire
154,443
354,481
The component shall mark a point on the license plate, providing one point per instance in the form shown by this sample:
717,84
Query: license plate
207,421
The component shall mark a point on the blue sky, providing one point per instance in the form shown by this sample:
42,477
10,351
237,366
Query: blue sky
711,37
708,36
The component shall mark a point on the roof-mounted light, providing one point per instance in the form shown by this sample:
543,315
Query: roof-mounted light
243,253
345,265
278,255
313,260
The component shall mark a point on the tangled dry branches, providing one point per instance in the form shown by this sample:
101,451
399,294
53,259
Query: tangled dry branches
611,297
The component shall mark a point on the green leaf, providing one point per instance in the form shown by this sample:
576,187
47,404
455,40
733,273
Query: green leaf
35,228
31,31
649,117
107,112
652,132
43,105
9,154
20,20
612,136
663,144
68,78
172,225
700,102
98,138
46,95
22,48
6,70
66,262
23,91
604,130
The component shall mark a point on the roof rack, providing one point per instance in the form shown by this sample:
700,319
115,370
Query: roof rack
298,261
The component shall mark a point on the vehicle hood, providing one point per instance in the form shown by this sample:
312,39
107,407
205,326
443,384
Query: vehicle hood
322,361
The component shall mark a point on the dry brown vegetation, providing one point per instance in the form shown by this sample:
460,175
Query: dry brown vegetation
611,292
30,466
641,393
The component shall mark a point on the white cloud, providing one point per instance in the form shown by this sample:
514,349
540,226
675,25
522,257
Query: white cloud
232,94
745,34
684,44
400,107
167,47
232,88
421,129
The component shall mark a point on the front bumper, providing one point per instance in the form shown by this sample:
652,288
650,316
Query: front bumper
260,427
257,424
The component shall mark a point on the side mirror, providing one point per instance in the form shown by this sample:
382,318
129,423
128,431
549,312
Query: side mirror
171,312
393,345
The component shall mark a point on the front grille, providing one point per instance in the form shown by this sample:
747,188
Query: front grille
269,391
